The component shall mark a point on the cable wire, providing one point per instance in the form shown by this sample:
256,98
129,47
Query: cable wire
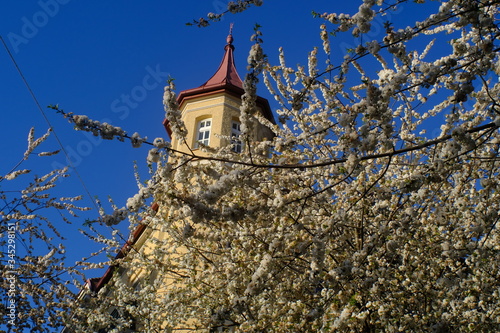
48,122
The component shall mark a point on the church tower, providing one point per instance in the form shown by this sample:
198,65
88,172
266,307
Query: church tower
211,114
211,111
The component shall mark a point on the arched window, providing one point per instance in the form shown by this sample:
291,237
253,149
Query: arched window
235,137
203,133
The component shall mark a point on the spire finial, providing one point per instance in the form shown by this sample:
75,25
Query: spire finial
229,38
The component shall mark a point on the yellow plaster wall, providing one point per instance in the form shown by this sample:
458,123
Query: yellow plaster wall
222,108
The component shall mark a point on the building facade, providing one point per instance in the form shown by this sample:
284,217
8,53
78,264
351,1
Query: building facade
211,114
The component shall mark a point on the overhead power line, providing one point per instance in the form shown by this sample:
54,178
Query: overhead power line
14,62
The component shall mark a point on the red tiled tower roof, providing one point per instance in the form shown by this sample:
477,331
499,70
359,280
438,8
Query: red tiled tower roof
225,79
226,74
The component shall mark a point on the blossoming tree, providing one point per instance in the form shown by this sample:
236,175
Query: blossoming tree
373,209
35,275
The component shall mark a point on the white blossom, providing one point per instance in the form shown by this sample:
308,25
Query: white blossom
374,208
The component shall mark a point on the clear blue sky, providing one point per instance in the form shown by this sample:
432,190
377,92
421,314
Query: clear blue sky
88,56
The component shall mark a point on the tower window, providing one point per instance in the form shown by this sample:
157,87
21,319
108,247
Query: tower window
115,314
235,135
203,135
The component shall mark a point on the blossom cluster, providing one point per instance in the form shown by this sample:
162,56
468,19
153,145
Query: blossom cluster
35,273
105,130
233,7
172,112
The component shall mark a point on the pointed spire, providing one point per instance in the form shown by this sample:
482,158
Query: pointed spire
229,38
225,79
226,74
